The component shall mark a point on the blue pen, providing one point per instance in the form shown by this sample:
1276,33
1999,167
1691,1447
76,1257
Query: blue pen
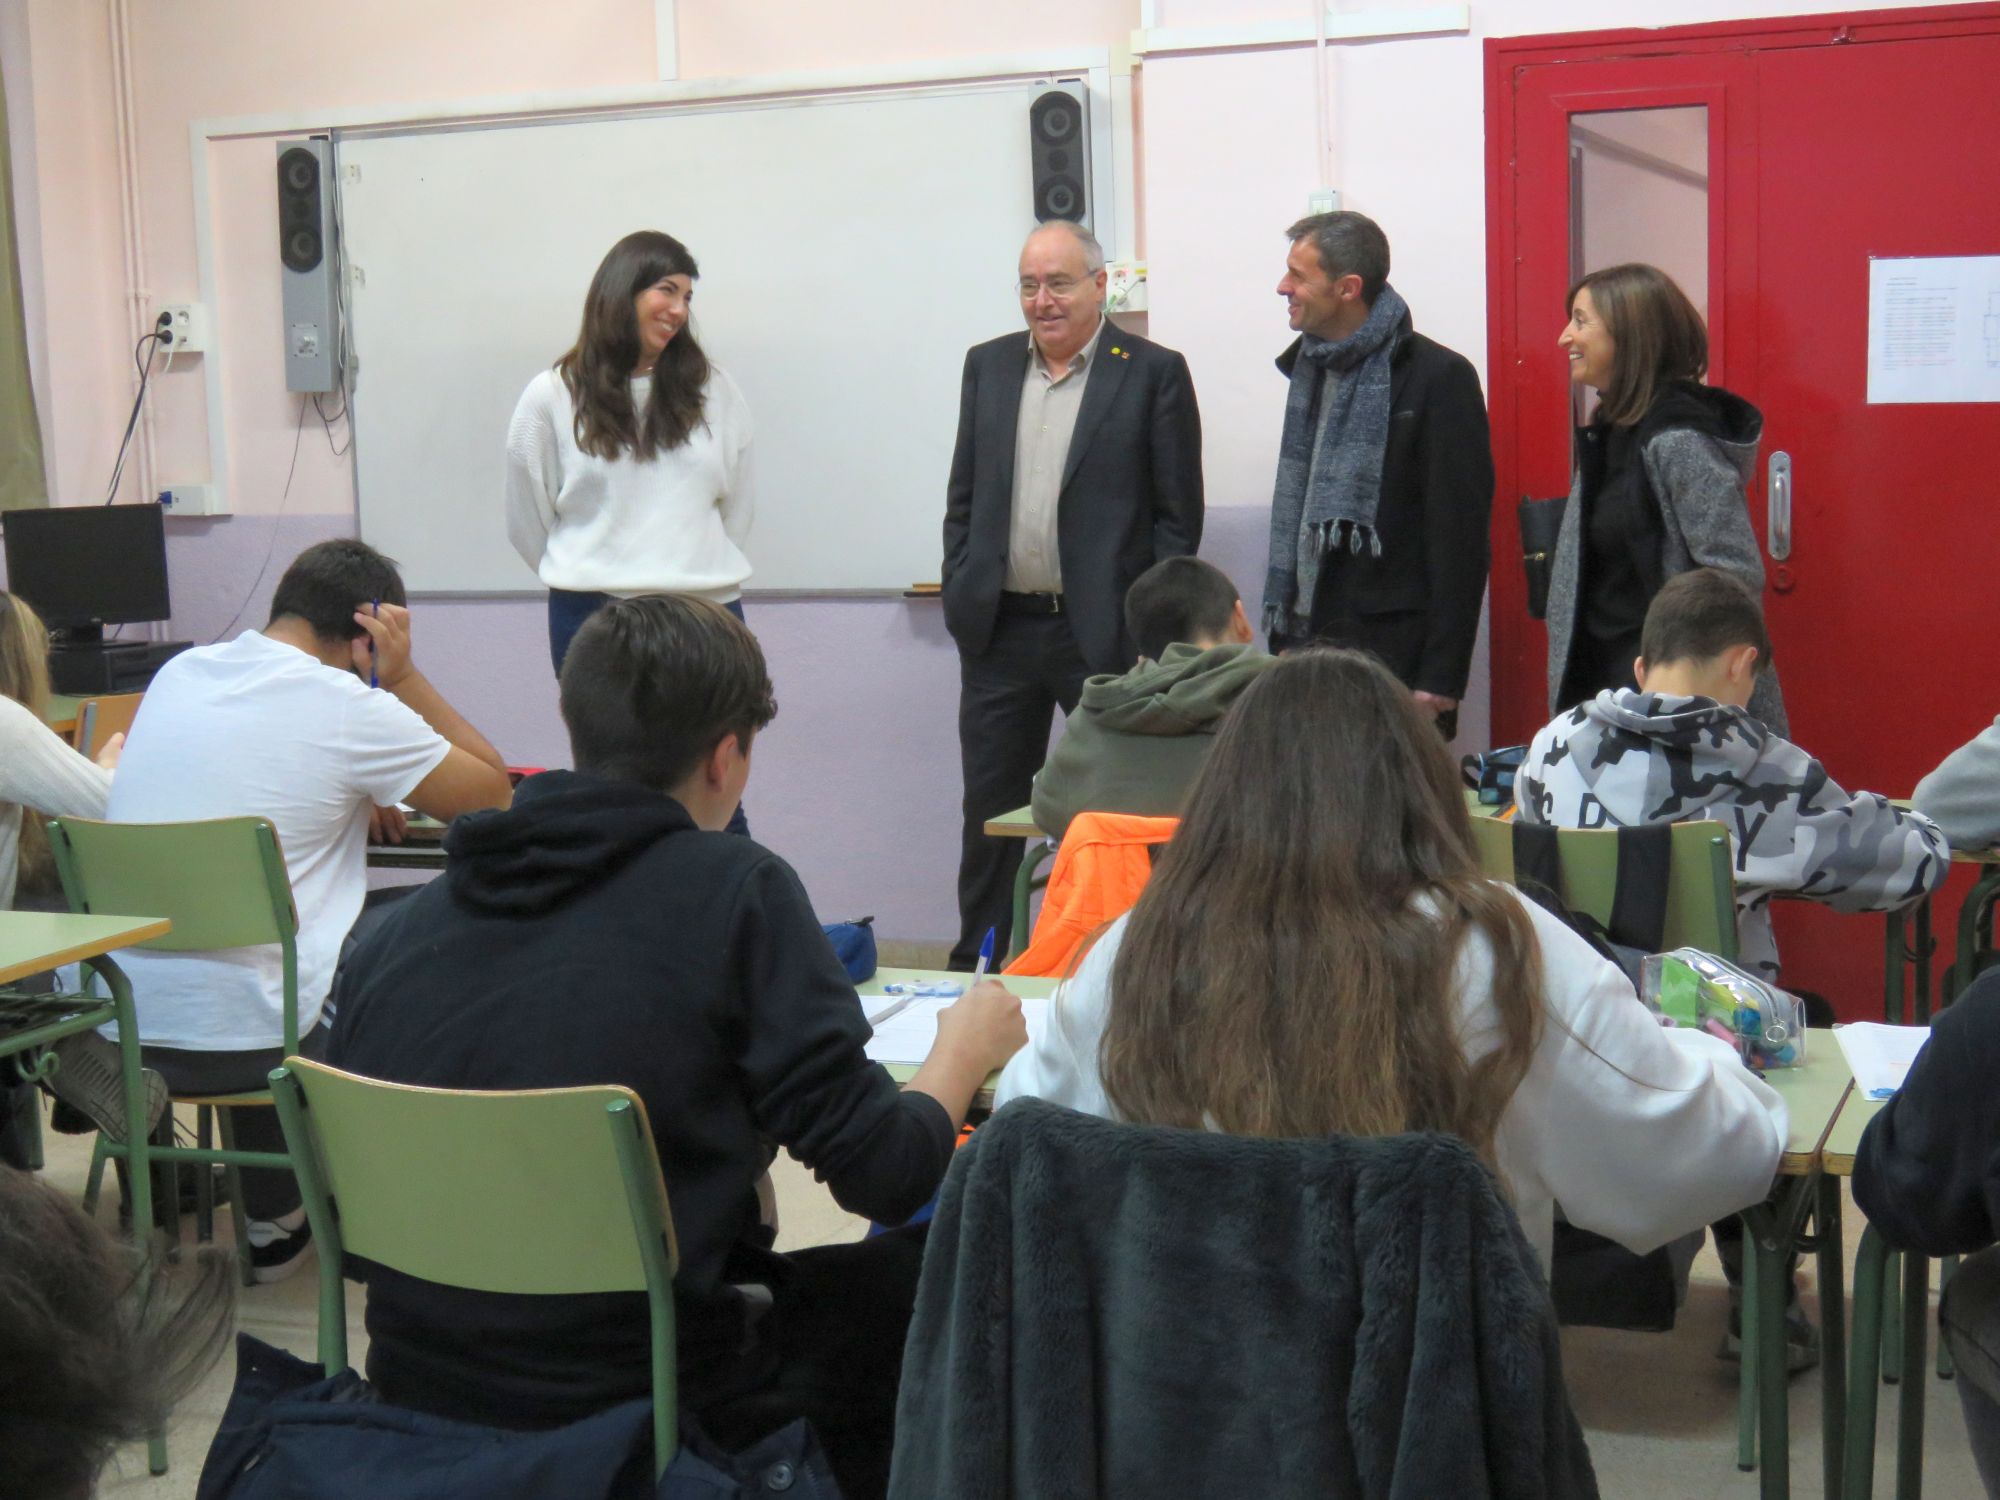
985,953
375,609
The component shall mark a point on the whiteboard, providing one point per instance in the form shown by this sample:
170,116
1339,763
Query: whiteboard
852,247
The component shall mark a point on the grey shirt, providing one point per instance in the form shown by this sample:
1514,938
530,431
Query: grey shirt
1041,449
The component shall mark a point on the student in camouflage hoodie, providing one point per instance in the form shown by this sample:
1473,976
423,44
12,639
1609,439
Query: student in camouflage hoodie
1683,747
1137,739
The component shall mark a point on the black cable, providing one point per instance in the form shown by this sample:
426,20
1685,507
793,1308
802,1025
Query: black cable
145,368
327,422
276,526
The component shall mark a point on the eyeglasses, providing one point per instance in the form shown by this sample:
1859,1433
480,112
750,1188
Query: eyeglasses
1062,288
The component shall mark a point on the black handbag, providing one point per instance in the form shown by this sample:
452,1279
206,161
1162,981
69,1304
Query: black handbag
1541,524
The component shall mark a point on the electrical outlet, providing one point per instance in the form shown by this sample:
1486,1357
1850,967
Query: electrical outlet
193,500
186,325
1125,286
1323,201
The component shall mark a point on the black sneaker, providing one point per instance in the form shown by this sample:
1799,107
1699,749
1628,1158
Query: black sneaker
282,1253
89,1075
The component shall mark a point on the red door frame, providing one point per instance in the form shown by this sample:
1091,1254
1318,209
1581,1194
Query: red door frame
1516,401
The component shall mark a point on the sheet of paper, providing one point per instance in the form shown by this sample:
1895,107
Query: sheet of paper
906,1037
1880,1055
1934,329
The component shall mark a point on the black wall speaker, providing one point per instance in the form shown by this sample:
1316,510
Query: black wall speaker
1060,156
301,232
308,245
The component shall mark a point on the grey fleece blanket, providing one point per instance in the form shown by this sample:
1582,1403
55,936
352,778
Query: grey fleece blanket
1115,1310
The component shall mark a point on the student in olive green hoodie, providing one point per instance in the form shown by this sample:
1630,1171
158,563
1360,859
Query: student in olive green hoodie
1136,741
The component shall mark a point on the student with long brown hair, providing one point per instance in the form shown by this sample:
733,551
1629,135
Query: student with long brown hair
1659,481
1318,952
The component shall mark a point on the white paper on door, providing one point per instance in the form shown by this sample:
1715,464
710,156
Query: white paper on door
1934,329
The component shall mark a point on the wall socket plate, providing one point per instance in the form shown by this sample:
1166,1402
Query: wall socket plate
1125,286
187,322
193,500
1323,201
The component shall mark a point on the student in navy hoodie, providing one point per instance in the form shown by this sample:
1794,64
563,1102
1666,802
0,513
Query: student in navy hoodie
604,930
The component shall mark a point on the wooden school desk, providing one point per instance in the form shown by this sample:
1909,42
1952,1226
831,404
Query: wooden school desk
1027,986
1815,1096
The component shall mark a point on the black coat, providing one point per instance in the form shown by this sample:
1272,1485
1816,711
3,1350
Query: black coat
1131,491
1115,1310
1417,605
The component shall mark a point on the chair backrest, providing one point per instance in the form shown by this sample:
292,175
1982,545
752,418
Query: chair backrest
222,882
97,719
540,1191
1701,885
524,1191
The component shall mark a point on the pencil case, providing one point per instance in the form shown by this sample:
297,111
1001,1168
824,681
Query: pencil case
1688,987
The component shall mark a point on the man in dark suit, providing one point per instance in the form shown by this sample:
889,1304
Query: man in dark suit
1385,473
1077,467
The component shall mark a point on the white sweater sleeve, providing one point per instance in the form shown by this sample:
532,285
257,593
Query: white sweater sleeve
38,770
1060,1065
534,472
1640,1133
738,501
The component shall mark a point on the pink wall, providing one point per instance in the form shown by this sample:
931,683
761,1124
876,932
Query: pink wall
858,781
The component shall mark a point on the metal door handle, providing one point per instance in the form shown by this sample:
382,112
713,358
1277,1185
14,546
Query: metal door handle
1778,493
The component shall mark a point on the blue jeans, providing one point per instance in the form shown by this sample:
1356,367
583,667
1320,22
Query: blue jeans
568,609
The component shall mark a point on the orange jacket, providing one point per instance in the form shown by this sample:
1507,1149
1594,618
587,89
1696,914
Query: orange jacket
1104,861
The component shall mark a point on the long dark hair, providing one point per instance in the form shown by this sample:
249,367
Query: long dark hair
1280,975
598,367
1657,337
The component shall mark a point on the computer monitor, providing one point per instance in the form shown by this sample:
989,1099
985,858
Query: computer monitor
87,566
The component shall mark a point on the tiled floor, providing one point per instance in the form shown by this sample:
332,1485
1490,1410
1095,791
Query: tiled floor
1659,1409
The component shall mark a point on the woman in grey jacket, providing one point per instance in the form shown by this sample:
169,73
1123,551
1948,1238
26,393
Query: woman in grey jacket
1659,483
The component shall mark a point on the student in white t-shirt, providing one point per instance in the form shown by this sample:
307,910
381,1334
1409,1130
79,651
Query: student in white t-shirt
282,724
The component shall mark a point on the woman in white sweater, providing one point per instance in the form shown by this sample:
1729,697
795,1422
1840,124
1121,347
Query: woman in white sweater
1317,951
37,769
628,462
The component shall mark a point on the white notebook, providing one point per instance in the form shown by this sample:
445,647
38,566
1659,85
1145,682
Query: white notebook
1880,1055
906,1037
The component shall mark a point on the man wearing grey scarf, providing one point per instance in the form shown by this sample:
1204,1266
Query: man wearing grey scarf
1385,473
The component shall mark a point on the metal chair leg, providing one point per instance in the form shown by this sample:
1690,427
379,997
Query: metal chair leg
1892,1322
226,1124
1746,1368
1833,1332
1870,1296
1910,1416
94,1184
204,1182
1947,1268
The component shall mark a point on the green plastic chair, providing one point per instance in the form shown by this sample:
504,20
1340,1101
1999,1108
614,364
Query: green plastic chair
540,1192
223,884
1701,913
1701,883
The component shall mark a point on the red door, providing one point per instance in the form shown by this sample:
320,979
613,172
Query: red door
1831,140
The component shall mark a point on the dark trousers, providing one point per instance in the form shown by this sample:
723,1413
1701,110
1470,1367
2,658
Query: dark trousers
568,609
1969,1322
1007,698
267,1194
831,1348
